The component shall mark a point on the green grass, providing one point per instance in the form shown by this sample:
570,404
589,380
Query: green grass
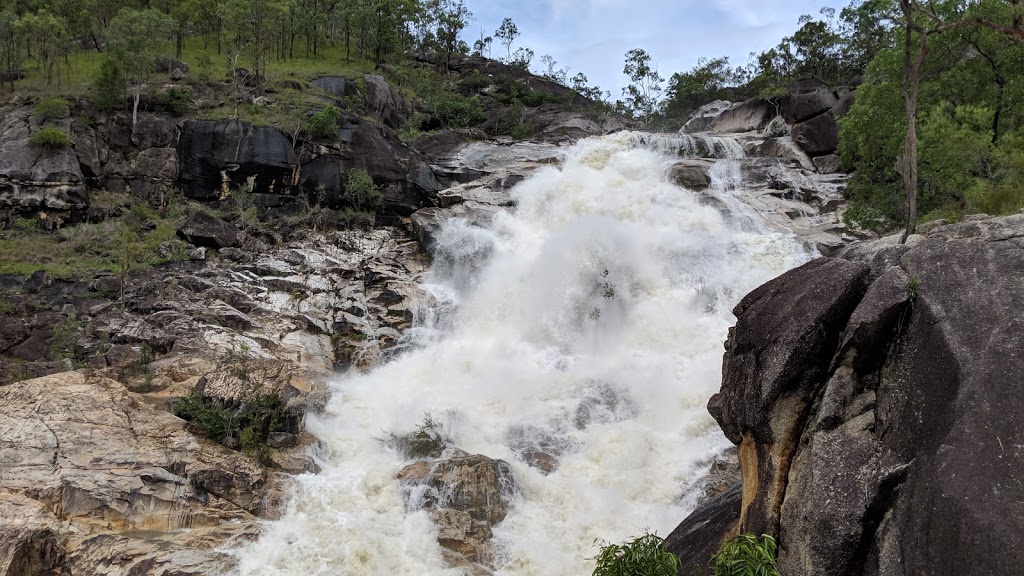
80,251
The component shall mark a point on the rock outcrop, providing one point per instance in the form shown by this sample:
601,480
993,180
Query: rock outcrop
466,496
750,116
874,399
84,464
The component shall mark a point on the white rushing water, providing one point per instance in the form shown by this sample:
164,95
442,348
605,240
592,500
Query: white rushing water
590,322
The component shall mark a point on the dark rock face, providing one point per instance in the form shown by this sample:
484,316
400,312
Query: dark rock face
700,536
842,108
818,136
827,164
753,115
692,174
202,229
216,155
336,86
875,400
806,99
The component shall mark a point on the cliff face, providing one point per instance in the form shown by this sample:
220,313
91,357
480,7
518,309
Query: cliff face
875,400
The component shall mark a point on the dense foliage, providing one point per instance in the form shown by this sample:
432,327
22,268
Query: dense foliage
746,555
643,556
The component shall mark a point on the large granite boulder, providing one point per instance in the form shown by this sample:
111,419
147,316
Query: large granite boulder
874,398
751,116
818,136
692,174
702,118
467,496
805,100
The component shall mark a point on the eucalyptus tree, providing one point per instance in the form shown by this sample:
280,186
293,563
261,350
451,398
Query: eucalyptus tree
48,35
507,34
137,38
643,95
10,46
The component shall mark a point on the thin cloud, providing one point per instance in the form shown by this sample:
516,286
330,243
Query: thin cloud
592,36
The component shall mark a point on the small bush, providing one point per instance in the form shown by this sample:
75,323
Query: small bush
360,191
324,124
746,555
108,85
429,440
645,555
474,83
51,138
534,99
52,109
456,111
173,101
209,418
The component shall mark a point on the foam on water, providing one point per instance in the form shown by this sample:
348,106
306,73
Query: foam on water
588,323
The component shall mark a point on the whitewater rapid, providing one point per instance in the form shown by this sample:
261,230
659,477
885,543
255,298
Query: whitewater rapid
605,279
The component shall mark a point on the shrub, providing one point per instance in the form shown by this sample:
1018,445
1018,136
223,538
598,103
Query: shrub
324,124
534,99
429,440
360,191
174,100
456,111
52,109
208,418
51,138
645,555
746,555
108,85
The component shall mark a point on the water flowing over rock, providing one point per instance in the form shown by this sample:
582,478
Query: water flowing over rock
862,392
580,299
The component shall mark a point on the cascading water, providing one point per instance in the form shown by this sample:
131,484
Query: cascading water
587,323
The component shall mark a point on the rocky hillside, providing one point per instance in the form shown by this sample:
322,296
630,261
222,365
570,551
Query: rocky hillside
874,399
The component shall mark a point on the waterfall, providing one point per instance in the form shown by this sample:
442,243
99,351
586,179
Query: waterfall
688,145
605,281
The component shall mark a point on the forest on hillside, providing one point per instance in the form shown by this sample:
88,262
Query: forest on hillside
959,63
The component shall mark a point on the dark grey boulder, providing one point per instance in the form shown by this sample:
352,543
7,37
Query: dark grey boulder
166,65
805,100
842,108
203,229
336,86
154,132
701,535
383,102
751,116
692,174
827,164
818,136
881,439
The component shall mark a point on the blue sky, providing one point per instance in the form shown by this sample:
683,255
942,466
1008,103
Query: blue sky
592,36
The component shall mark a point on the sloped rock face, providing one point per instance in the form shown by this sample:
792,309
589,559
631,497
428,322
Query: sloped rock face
874,398
82,459
750,116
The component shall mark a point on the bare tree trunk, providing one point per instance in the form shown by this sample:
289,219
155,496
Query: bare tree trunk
135,107
911,88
